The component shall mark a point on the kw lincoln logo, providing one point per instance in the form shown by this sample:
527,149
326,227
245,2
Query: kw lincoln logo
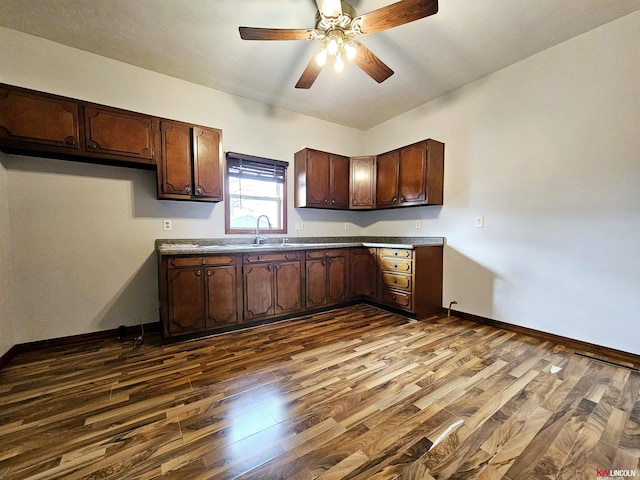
615,474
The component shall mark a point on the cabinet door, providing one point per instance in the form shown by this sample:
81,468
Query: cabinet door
221,296
258,291
186,297
316,283
362,183
339,181
207,165
413,173
387,179
363,273
175,158
288,283
38,121
118,134
336,280
317,178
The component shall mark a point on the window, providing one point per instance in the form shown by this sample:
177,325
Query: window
255,186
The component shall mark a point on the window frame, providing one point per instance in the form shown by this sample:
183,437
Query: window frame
227,195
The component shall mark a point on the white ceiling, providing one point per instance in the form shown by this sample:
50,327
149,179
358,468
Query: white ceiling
198,41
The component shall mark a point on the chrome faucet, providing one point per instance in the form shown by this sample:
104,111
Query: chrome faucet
259,238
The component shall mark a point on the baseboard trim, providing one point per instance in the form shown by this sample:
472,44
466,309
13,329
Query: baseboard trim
597,351
72,340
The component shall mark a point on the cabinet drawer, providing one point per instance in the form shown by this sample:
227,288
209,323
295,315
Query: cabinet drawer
396,265
392,280
396,252
270,257
334,252
396,299
179,262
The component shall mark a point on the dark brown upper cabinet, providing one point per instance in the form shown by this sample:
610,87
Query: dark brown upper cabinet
190,166
111,133
411,175
404,177
362,183
322,179
40,122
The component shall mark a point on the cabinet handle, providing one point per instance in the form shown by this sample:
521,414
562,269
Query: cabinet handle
326,201
199,191
187,190
403,199
395,265
208,273
269,267
394,199
92,146
395,253
199,273
70,141
203,261
333,200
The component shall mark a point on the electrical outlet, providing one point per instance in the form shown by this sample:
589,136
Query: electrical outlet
167,225
346,225
479,222
417,223
302,226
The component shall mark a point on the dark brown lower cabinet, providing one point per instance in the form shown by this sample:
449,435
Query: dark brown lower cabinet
411,279
272,285
201,293
326,277
363,277
214,292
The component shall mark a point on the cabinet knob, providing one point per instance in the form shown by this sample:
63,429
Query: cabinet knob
92,146
394,199
333,201
208,273
326,201
403,199
199,273
199,191
70,141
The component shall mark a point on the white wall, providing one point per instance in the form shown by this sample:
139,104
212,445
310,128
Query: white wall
82,235
6,325
548,151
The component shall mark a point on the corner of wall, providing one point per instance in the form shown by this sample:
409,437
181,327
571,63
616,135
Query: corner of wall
6,325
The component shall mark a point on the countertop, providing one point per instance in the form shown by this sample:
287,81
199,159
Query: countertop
240,245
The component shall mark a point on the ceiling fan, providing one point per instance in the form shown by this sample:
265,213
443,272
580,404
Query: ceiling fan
338,26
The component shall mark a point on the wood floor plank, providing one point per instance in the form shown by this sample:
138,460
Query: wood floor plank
352,393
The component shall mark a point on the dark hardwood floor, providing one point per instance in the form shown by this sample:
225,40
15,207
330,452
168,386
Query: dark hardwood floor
355,393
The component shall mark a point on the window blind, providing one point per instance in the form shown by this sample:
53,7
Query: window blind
248,166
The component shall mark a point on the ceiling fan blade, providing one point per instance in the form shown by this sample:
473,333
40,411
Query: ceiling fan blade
371,65
396,14
329,8
310,74
251,33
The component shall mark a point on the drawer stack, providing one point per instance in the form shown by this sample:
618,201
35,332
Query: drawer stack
396,270
411,279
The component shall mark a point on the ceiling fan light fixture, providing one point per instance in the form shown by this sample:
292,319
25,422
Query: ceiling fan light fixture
339,64
321,57
332,45
350,51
